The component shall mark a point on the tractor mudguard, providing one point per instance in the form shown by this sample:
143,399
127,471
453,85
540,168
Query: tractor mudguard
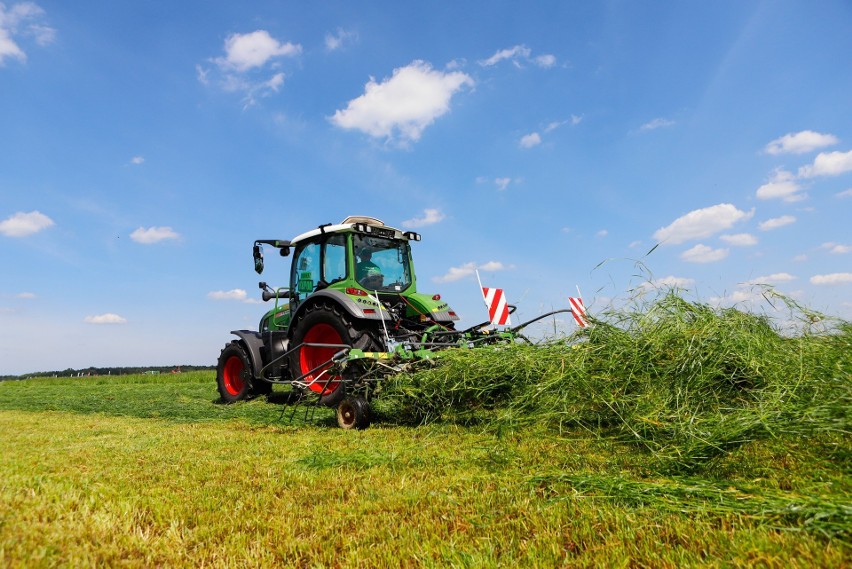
253,342
355,308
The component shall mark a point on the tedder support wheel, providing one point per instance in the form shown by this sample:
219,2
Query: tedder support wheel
233,375
325,324
353,413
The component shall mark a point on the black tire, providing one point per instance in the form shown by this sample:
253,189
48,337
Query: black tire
233,373
326,324
353,413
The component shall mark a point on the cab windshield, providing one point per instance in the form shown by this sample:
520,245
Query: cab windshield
381,264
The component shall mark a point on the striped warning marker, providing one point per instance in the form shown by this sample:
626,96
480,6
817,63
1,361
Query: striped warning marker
498,308
578,311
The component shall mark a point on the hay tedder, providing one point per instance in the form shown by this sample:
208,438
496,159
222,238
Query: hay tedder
350,317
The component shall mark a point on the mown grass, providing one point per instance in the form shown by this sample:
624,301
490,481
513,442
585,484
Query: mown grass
681,436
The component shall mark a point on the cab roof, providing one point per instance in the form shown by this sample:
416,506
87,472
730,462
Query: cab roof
361,224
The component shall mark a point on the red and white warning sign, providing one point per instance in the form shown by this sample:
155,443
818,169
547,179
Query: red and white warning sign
578,311
498,308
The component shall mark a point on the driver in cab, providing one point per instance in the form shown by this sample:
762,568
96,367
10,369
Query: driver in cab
367,272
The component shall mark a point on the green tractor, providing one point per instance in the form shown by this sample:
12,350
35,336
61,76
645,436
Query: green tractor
352,297
350,317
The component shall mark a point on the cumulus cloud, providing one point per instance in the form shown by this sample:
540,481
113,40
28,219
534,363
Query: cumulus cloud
739,239
836,248
249,65
701,223
22,224
703,254
502,183
781,185
233,294
530,140
337,40
26,295
252,50
828,164
672,281
800,142
844,194
22,20
403,105
153,235
468,270
776,222
518,55
832,279
774,278
655,124
430,217
108,318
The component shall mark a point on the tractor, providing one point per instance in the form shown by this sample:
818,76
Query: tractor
350,317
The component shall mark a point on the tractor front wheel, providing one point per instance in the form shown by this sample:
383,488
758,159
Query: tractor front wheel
233,373
322,331
353,413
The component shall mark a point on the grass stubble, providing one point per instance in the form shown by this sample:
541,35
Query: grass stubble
674,435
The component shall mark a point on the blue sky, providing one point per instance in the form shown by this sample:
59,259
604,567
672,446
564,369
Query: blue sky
145,145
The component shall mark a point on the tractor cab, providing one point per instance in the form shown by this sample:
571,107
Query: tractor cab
360,264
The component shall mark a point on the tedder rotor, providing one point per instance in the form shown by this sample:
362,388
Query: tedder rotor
350,317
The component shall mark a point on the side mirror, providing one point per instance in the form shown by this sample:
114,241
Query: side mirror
284,251
257,253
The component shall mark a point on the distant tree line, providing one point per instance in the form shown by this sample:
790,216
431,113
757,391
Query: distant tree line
70,372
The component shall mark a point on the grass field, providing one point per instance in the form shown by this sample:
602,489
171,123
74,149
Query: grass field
567,456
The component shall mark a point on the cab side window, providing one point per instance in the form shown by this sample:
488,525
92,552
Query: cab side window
334,259
306,271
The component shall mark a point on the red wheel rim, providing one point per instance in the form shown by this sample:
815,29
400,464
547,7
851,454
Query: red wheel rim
232,375
313,356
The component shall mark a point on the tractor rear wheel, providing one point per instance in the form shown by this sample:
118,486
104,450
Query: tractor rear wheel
233,373
326,323
353,413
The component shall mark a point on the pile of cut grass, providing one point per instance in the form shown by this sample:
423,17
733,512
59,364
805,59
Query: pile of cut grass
683,380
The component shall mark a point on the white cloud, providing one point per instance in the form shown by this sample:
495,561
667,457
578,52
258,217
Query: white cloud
244,67
530,140
655,124
701,223
703,254
602,233
22,19
739,239
403,105
26,295
137,160
234,294
333,42
776,222
781,185
738,297
22,224
468,270
546,60
502,183
153,235
430,217
253,50
672,281
844,194
519,54
513,53
832,279
837,248
800,142
828,164
774,278
108,318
